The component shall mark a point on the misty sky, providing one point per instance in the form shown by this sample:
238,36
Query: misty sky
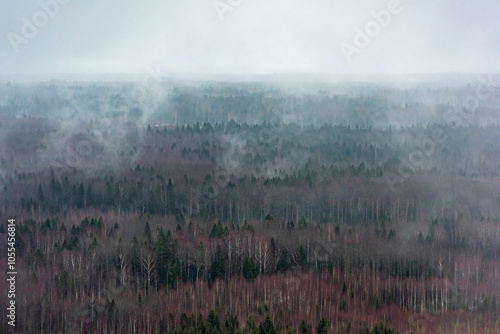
255,37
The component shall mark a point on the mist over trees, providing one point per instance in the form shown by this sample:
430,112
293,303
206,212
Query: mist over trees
205,207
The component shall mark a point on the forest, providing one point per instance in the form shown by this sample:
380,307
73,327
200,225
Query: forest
250,207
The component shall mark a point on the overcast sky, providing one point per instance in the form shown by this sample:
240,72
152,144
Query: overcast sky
255,37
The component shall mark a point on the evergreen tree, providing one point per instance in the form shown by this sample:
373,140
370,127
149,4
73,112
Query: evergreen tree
267,326
90,195
302,222
231,323
171,198
302,257
108,197
305,328
162,257
134,255
213,322
154,202
323,326
79,196
283,261
147,235
218,268
217,230
249,269
184,323
41,197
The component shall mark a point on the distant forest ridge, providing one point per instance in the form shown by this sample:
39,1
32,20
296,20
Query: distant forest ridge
151,100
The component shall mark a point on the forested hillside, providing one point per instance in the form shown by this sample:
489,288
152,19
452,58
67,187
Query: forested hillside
251,208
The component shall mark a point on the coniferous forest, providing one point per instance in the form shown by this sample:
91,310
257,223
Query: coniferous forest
251,207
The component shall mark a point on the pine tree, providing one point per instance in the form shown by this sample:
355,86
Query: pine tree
231,323
267,326
147,235
249,269
79,196
302,258
162,257
323,326
302,222
218,268
283,262
213,322
41,197
90,195
171,198
217,230
108,198
305,328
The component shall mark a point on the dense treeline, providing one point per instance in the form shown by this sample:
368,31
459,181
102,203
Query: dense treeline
117,272
235,172
222,209
242,149
338,200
